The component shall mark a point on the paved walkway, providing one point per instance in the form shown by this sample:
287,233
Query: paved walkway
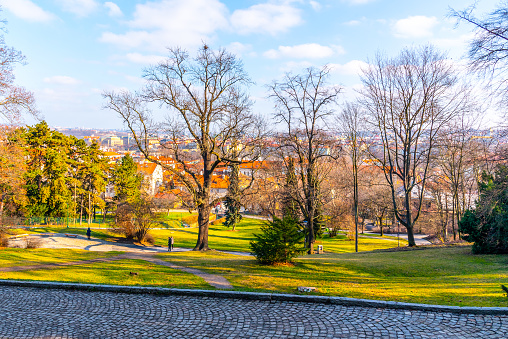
51,313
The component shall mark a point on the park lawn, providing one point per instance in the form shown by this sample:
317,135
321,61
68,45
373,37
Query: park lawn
225,239
114,273
341,244
25,257
219,237
443,276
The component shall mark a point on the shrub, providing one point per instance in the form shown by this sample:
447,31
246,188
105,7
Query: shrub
218,221
149,239
487,225
279,242
32,242
193,219
4,240
135,219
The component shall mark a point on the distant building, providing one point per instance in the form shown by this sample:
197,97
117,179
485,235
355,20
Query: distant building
153,176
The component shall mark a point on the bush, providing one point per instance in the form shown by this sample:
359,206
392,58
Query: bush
487,226
193,219
32,242
149,239
218,221
279,242
135,219
4,240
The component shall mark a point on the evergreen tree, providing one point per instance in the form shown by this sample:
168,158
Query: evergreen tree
47,168
288,202
279,242
232,200
127,180
487,225
91,171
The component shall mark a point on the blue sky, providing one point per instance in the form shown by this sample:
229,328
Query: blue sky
76,49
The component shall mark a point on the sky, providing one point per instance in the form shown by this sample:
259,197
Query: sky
77,49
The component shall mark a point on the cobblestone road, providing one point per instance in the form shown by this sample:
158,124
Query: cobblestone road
47,313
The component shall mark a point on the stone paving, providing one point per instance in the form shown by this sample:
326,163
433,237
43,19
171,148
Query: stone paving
52,313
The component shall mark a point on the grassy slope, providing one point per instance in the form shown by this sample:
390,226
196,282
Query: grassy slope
23,257
115,273
446,276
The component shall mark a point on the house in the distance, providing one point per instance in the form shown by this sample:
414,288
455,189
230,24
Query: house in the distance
152,175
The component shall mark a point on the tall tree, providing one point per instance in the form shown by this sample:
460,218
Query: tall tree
232,201
47,171
208,102
91,169
349,122
12,168
127,180
408,99
303,105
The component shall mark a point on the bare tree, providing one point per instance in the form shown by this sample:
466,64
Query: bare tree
488,50
456,160
208,103
14,100
409,98
349,123
303,105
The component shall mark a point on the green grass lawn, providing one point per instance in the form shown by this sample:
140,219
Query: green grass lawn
114,273
24,257
220,237
445,276
224,239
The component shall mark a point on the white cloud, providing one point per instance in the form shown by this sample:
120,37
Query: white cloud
144,59
61,80
352,67
157,25
315,5
358,2
266,18
27,10
415,27
113,9
352,23
304,51
240,49
79,7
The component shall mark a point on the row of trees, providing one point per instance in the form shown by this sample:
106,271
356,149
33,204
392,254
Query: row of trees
416,103
48,174
411,103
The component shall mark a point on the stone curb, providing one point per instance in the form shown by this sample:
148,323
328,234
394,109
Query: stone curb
259,296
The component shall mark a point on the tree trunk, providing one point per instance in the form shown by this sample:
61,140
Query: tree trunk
203,222
410,236
1,211
81,211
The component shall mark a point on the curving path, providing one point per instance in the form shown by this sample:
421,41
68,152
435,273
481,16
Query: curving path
51,313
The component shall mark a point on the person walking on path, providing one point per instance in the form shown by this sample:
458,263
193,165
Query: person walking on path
88,233
171,241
